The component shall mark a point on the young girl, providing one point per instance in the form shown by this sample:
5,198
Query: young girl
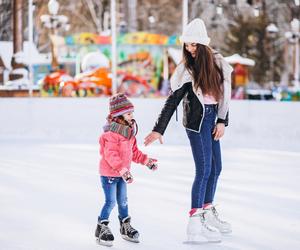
118,148
203,82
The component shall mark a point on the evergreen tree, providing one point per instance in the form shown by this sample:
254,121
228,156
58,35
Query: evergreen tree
249,37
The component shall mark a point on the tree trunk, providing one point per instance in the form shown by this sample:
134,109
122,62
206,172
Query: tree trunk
17,37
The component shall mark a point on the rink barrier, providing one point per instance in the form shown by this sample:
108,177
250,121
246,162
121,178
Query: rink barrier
252,124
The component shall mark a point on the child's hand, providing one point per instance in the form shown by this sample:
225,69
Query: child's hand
152,164
127,177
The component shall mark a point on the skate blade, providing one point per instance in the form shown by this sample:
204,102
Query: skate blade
104,243
226,232
200,239
214,240
194,242
125,237
197,242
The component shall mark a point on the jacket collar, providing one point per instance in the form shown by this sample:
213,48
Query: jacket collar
182,76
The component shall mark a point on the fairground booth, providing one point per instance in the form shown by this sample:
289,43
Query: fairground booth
143,65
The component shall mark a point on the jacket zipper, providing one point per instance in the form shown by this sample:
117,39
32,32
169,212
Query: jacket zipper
203,113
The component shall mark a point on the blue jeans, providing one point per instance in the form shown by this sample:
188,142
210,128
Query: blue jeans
115,190
207,157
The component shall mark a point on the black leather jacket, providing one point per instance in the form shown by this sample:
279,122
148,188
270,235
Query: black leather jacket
192,110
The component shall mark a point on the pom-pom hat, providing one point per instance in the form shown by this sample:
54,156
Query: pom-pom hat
120,105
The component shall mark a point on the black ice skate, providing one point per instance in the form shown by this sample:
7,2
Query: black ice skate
103,234
127,231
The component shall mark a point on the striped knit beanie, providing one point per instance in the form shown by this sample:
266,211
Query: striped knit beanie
120,105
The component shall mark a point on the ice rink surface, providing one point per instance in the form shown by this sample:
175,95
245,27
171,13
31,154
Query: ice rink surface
51,197
50,193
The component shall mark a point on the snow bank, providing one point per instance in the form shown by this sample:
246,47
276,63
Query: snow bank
253,124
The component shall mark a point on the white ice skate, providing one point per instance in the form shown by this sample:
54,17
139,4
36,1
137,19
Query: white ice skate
198,231
212,219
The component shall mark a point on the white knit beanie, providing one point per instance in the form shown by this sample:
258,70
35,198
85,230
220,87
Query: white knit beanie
195,32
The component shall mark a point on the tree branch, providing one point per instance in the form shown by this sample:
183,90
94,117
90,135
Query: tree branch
94,16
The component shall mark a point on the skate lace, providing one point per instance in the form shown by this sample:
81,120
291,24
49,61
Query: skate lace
204,223
216,215
128,228
105,230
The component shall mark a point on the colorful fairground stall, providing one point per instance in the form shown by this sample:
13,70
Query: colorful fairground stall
142,65
240,75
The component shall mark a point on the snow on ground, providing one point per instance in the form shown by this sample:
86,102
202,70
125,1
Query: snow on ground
50,194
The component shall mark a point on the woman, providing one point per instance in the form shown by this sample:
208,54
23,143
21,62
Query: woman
203,81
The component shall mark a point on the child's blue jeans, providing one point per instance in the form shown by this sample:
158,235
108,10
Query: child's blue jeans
207,157
115,190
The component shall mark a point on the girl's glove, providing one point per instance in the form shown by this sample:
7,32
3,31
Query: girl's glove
127,177
152,164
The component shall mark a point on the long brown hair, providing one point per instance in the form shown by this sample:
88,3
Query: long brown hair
207,75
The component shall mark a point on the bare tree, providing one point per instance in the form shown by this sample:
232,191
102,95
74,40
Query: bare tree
96,9
6,20
84,16
167,16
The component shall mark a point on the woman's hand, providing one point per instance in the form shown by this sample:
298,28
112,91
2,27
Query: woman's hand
219,131
152,137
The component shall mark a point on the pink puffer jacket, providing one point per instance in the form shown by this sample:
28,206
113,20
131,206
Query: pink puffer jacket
117,154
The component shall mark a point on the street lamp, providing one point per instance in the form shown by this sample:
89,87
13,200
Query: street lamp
53,7
272,31
256,11
54,22
151,19
295,23
219,9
